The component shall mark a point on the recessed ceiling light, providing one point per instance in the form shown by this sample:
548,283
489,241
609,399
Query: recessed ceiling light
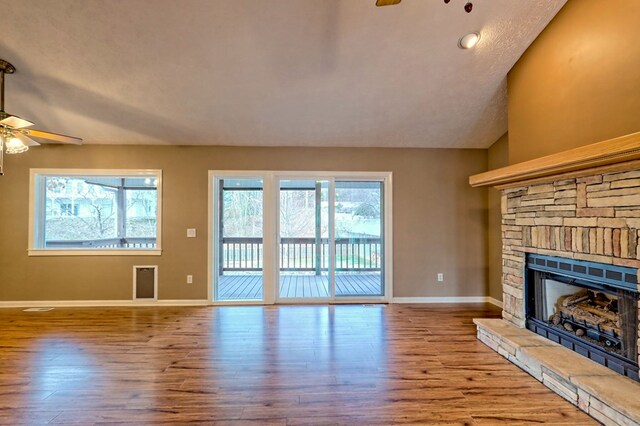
469,40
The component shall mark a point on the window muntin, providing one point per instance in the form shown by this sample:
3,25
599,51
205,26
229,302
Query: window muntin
104,212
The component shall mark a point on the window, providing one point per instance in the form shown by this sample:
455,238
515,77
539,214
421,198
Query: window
95,212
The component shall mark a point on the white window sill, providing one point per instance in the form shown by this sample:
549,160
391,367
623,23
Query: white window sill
88,252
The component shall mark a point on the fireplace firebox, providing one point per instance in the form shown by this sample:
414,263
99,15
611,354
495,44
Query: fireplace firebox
590,308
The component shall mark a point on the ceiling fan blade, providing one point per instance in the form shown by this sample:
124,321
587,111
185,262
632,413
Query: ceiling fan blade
25,140
387,2
54,137
15,122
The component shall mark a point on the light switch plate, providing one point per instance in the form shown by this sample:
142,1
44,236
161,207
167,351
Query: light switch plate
191,232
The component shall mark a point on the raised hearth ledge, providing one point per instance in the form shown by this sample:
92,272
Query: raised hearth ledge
602,393
612,155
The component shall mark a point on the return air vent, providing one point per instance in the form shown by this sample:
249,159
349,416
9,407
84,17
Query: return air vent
611,275
145,283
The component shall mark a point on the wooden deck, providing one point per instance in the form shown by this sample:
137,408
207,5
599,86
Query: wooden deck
249,287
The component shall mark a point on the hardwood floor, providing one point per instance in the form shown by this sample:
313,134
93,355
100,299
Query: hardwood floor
277,365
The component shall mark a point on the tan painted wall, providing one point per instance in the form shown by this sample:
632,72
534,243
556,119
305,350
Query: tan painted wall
439,221
579,82
498,156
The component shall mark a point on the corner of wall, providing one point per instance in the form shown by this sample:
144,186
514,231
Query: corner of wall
498,156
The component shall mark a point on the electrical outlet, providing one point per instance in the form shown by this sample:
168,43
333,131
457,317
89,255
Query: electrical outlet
189,279
440,277
191,232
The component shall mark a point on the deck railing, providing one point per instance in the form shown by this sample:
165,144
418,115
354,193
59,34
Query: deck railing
302,254
109,243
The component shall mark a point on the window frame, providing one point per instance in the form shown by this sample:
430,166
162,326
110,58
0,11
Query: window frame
37,218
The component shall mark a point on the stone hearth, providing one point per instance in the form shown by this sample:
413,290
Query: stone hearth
605,395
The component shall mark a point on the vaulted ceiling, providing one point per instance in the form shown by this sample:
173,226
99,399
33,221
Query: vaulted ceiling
256,72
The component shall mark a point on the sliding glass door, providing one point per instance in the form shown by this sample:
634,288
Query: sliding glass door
239,240
300,237
303,240
359,242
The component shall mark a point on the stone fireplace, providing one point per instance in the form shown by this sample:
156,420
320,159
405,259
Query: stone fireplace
570,261
590,219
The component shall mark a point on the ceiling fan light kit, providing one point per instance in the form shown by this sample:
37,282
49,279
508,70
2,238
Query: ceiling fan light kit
15,146
14,135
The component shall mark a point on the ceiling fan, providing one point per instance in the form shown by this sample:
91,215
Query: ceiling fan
15,138
468,7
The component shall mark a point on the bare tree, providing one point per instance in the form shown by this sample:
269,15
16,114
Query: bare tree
242,213
71,195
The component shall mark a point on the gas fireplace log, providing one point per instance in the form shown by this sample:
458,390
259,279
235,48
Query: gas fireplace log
592,320
601,299
611,316
576,298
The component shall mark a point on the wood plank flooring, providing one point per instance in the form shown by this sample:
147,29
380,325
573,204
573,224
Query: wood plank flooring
249,287
276,365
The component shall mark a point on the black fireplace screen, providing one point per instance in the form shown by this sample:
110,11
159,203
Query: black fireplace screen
595,317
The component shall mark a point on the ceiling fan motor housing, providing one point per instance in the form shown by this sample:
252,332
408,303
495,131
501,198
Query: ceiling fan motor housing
6,67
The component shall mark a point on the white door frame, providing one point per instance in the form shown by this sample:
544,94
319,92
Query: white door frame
270,236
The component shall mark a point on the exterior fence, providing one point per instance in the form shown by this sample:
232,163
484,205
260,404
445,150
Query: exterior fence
303,254
104,243
241,254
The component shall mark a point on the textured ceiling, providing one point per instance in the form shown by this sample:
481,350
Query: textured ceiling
256,72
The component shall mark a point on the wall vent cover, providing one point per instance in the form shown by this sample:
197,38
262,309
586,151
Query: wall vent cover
145,282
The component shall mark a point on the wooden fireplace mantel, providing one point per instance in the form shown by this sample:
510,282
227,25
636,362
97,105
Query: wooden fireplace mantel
617,154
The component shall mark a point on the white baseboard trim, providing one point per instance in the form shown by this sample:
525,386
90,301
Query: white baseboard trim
495,302
204,302
184,302
100,303
472,299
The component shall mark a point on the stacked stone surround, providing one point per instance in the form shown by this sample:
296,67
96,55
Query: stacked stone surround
594,218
